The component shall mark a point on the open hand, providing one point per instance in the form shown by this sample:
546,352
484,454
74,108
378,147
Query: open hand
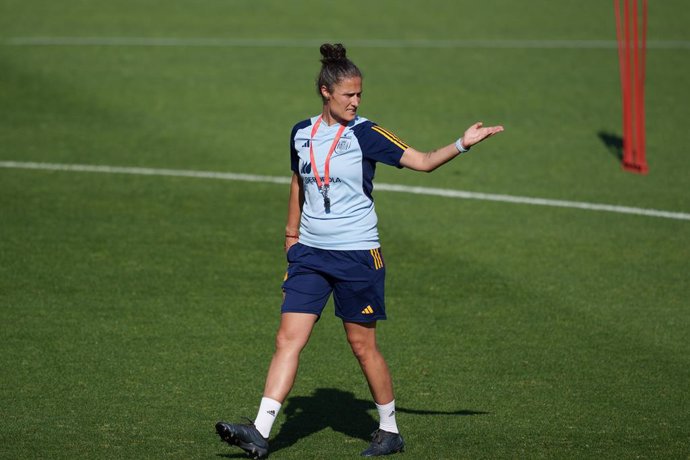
477,133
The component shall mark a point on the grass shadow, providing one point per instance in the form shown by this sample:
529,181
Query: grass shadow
437,412
338,410
613,143
325,408
335,409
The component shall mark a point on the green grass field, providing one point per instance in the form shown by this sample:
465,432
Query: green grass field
136,311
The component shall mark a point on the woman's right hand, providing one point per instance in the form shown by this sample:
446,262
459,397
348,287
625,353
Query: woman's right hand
290,241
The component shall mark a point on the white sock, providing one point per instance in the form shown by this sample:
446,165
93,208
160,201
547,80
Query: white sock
268,411
387,417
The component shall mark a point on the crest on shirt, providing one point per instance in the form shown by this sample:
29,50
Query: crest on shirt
344,145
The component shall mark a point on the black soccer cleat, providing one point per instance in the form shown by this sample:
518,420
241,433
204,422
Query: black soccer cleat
246,437
384,443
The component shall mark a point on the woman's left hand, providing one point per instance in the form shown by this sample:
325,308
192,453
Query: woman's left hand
477,133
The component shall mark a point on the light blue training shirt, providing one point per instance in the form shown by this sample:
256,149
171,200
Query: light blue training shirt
351,223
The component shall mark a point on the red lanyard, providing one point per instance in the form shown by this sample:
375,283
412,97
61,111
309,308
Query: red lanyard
326,180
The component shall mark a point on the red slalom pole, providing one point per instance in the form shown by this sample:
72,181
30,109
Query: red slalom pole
623,36
640,158
632,60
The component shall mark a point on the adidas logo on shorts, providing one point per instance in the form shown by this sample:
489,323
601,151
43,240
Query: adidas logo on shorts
368,310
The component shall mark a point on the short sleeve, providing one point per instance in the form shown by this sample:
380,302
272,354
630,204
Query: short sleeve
379,145
294,157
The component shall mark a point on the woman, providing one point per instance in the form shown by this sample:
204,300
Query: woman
332,245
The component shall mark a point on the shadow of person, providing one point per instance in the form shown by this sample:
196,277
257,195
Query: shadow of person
338,410
325,408
439,412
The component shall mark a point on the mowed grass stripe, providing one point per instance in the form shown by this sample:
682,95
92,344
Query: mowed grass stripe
449,193
355,43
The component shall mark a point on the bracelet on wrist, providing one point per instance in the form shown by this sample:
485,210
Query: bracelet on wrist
291,236
461,148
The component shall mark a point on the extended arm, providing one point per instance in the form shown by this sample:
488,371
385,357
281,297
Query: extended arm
427,162
295,203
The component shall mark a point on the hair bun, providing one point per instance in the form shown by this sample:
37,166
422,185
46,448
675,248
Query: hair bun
333,53
335,66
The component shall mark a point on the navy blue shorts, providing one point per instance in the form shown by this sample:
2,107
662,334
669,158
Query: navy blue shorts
356,279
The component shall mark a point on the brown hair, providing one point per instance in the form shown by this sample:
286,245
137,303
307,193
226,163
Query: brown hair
335,66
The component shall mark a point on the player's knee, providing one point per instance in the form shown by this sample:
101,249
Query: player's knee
362,348
288,341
